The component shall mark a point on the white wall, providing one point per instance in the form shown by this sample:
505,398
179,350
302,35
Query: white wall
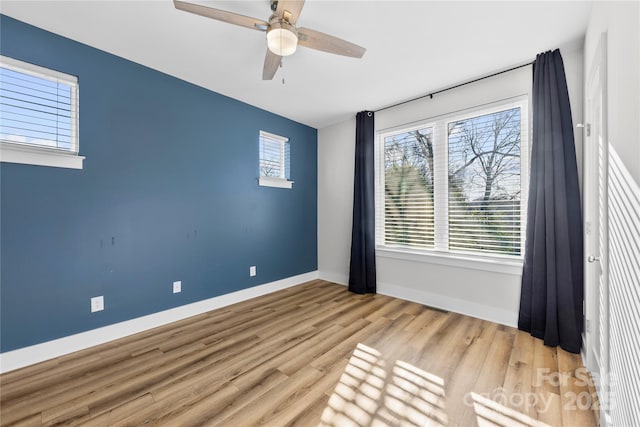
574,70
486,294
336,163
621,22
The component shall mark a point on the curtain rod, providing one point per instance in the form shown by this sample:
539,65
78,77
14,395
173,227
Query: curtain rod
430,95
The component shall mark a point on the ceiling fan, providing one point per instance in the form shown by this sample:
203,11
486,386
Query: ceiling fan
282,35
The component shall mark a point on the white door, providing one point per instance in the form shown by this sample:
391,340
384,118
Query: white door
596,231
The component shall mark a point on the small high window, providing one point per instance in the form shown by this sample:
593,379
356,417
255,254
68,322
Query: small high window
38,115
274,161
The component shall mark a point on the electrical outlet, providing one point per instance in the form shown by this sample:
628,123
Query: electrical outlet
177,286
97,304
252,270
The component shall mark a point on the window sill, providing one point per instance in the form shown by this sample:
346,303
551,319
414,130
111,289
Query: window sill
39,156
274,182
485,263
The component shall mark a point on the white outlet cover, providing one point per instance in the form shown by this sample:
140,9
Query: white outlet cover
97,304
177,286
252,270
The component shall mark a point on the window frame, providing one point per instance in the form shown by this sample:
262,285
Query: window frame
270,181
31,154
441,254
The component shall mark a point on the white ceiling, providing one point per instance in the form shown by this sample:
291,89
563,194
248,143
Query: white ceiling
413,47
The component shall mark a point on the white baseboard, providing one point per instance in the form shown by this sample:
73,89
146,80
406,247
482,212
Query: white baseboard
329,276
26,356
443,302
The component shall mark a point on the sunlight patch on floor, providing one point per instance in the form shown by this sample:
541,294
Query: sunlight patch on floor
491,414
372,392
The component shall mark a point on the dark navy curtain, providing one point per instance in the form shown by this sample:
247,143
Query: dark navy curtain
552,278
362,269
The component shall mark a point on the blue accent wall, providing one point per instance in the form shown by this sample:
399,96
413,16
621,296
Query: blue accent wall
168,192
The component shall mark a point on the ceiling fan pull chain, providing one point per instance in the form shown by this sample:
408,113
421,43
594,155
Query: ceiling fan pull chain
282,67
281,58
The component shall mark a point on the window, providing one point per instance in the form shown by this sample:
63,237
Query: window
408,170
274,161
455,184
38,115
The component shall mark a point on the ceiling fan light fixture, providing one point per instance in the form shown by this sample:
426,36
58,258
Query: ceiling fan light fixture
282,38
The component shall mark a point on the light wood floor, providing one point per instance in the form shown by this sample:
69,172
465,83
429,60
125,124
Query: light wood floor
314,354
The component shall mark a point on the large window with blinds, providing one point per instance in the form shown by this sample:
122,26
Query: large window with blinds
455,184
38,115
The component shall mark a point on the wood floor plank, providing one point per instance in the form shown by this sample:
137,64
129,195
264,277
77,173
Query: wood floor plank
20,375
545,387
575,395
262,383
493,372
518,379
346,313
424,319
261,410
227,369
66,391
297,404
467,372
311,415
346,347
313,354
306,355
200,408
114,413
84,363
453,335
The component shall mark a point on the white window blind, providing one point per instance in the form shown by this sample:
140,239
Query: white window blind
408,188
275,157
484,185
455,183
38,107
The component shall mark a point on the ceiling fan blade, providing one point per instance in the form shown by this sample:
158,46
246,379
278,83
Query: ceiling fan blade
293,7
271,64
222,15
320,41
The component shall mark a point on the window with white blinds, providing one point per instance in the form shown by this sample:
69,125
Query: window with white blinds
38,113
275,159
408,188
456,183
484,170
